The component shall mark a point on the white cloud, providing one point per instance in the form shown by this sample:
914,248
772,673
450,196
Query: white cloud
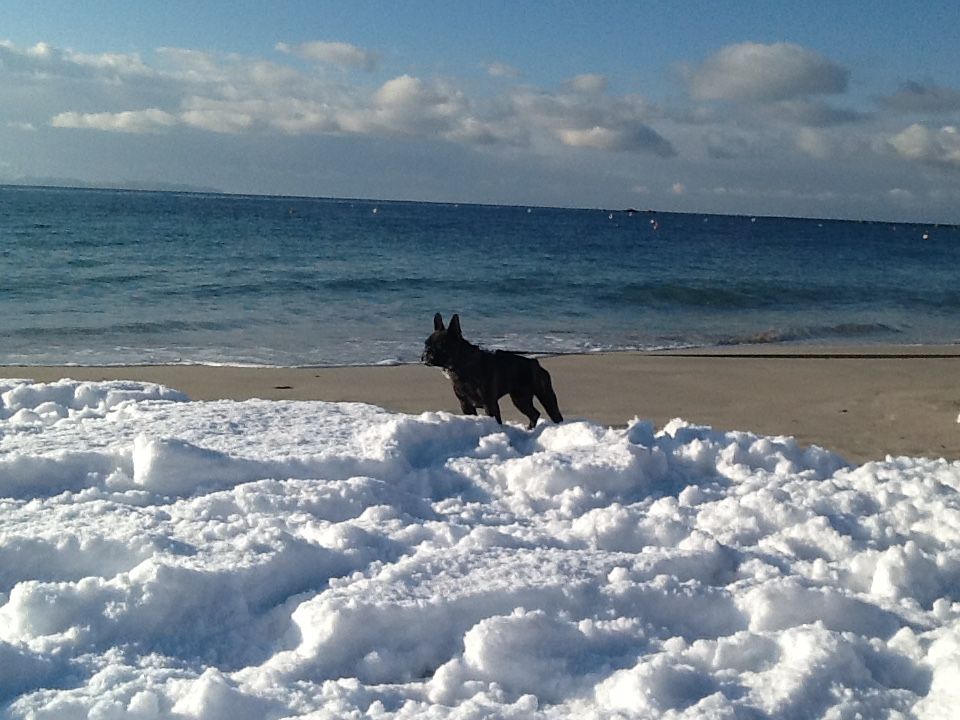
754,71
785,114
118,63
404,90
236,94
43,60
194,65
592,120
333,53
472,131
638,138
933,147
502,70
130,121
408,105
221,120
900,195
596,137
814,143
37,59
231,77
588,83
294,116
678,188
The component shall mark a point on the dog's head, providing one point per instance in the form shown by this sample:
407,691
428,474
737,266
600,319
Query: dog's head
442,347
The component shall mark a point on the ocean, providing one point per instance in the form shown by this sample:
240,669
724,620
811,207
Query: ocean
127,277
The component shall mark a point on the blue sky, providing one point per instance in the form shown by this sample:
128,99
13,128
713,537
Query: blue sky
842,109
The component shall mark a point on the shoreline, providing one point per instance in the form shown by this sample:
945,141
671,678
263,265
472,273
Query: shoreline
863,401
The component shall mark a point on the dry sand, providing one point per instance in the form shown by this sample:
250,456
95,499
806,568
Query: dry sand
863,402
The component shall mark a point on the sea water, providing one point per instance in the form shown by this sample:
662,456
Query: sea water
105,276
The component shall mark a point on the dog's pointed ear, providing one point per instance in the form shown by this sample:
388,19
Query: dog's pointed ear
455,325
437,322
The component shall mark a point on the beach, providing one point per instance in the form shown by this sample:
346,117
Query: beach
862,402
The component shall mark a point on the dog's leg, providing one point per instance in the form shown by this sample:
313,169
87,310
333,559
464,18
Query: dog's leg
524,404
466,407
546,396
493,409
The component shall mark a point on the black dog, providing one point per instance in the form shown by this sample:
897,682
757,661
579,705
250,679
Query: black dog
480,377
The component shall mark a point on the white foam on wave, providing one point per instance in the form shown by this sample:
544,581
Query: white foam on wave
166,558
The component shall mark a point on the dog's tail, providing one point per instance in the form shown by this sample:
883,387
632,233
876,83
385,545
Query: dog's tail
543,389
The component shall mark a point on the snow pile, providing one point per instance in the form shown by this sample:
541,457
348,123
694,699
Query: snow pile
163,558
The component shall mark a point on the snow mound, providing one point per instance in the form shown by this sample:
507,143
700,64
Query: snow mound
161,558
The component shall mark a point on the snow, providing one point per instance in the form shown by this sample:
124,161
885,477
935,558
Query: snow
161,558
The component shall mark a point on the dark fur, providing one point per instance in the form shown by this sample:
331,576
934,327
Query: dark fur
480,377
